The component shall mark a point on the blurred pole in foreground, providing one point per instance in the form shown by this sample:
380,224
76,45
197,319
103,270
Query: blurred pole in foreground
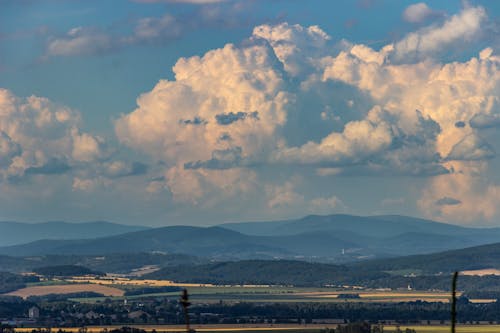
454,302
185,304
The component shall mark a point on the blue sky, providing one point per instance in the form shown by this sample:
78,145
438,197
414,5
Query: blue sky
200,112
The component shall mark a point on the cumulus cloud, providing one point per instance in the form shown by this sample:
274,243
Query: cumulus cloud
359,141
210,88
294,45
248,123
152,30
40,138
471,148
92,41
461,27
222,125
419,12
86,147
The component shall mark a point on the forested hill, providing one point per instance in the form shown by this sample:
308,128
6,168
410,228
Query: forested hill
282,272
303,274
12,233
478,257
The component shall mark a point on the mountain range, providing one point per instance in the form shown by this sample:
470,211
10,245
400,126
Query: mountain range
332,238
13,233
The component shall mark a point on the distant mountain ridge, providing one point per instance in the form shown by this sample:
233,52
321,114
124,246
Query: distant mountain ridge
332,238
13,233
373,226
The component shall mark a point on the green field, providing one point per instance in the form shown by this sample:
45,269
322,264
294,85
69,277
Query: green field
286,294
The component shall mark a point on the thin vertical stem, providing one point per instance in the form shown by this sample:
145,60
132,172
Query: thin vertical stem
454,302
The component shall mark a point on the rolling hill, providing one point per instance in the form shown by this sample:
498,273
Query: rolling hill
472,258
281,272
333,238
12,233
213,242
113,263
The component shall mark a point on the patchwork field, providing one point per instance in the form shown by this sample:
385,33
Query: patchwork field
268,294
207,293
66,289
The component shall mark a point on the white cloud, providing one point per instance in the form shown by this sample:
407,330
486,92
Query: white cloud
220,127
87,148
39,137
459,28
81,41
152,30
358,141
294,45
471,148
419,12
229,101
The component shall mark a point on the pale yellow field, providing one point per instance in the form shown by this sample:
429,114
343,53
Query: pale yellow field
386,296
66,289
481,272
133,282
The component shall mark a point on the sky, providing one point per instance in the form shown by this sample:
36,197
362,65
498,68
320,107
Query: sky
167,112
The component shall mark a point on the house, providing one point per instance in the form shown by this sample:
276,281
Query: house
33,313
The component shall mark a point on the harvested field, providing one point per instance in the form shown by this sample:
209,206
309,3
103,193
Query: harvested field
481,272
66,289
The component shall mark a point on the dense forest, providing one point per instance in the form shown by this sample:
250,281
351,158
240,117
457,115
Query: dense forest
10,281
65,270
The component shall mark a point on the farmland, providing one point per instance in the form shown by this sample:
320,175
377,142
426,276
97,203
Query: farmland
206,293
66,289
116,286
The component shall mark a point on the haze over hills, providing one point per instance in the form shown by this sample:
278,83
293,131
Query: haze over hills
333,238
12,233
